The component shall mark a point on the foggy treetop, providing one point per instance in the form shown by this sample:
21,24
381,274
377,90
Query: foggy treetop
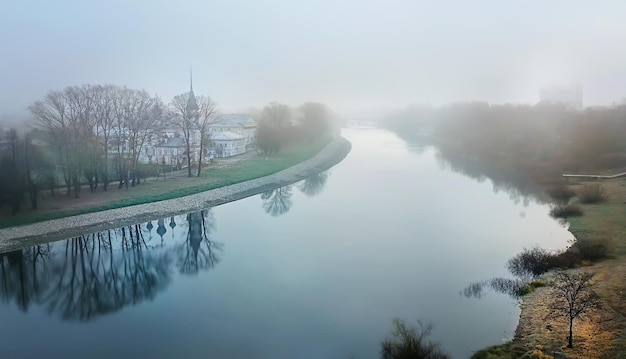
356,56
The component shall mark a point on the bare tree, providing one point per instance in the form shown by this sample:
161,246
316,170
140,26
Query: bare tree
183,112
33,166
137,117
572,297
314,120
144,121
15,179
122,109
51,116
207,109
277,115
105,121
67,116
271,132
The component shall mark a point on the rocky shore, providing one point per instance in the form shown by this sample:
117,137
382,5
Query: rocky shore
43,232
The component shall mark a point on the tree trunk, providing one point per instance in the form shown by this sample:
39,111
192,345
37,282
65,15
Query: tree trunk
200,159
33,196
105,181
68,184
569,339
188,158
76,182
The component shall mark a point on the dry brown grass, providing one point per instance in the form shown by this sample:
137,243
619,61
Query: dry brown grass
601,334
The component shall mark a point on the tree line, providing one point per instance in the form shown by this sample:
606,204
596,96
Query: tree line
537,142
280,125
90,136
94,135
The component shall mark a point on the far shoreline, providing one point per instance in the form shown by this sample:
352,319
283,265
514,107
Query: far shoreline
14,238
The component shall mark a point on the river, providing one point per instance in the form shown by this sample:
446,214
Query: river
317,269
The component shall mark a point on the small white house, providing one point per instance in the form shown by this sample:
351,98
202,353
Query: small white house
240,124
226,144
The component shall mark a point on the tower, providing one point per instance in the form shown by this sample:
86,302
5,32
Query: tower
192,104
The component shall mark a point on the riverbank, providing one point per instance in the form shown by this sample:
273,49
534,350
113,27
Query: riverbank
13,238
601,333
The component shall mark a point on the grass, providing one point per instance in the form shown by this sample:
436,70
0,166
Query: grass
600,237
211,178
508,351
591,193
530,287
606,221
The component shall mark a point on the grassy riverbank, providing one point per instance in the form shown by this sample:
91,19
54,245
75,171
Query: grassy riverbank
218,174
601,334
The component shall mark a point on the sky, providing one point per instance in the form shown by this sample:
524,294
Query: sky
356,56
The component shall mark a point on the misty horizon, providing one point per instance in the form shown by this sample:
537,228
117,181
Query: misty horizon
358,58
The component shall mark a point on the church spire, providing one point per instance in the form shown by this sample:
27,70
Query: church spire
192,105
190,79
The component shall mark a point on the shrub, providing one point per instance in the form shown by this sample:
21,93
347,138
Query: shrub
531,262
407,341
568,259
565,211
560,193
591,193
591,250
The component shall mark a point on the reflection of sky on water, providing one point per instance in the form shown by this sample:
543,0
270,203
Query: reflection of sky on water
318,272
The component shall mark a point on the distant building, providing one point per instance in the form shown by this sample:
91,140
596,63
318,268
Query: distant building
241,124
172,151
229,135
226,144
569,95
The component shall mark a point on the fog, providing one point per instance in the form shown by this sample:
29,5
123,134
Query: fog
356,56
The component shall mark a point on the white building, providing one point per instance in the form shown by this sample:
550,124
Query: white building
226,144
241,124
569,95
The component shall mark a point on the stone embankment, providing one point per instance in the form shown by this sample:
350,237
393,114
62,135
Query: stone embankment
43,232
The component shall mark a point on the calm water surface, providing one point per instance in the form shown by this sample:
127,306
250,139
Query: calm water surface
313,270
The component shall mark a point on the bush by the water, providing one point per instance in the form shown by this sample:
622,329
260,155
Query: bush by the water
565,211
535,261
406,341
591,193
561,193
591,250
531,262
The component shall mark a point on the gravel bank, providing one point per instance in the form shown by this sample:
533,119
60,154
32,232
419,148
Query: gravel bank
27,235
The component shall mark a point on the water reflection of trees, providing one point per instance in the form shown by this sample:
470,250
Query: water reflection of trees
23,275
519,186
277,201
198,251
313,185
512,287
96,274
